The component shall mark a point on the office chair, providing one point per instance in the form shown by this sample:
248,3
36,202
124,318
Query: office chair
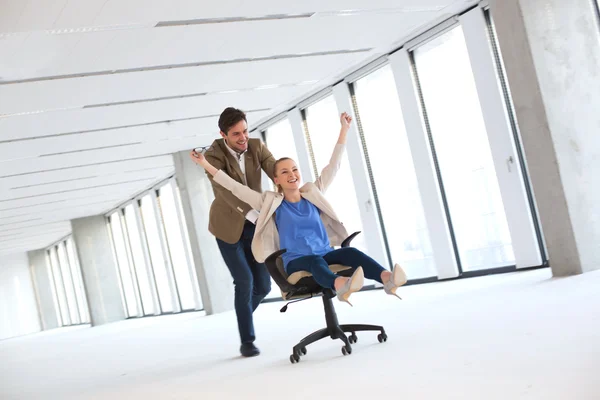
301,286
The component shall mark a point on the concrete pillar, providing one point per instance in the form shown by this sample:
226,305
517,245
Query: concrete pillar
99,270
214,279
44,289
551,52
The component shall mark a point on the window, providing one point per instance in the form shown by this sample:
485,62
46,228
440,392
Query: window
59,287
463,153
68,283
393,173
178,249
323,123
157,272
144,274
84,314
159,263
123,264
68,289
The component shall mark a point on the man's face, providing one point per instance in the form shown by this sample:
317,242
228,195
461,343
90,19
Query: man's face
237,137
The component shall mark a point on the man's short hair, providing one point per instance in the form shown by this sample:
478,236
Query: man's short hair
229,117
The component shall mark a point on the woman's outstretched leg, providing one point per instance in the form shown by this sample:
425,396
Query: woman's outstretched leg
322,274
354,258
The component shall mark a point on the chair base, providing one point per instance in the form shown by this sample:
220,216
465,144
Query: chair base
334,331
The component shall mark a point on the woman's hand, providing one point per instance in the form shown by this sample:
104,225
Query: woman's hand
199,159
345,120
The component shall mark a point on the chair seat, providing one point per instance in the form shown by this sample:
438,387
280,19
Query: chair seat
296,276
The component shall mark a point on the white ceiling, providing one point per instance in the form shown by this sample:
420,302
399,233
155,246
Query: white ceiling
94,97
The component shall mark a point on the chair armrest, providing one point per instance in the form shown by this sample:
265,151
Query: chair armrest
280,280
349,239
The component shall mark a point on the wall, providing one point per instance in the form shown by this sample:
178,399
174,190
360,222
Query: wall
18,305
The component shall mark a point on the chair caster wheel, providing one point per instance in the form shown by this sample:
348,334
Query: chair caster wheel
353,338
346,350
382,337
294,358
300,352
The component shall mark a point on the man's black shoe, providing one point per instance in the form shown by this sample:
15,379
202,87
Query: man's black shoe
249,350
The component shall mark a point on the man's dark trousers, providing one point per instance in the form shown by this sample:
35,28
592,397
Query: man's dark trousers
251,279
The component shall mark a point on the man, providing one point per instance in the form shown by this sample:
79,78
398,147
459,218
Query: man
232,221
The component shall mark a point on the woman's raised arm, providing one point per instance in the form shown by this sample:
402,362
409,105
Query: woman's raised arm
242,192
329,172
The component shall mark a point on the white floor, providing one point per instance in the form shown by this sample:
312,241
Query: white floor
515,336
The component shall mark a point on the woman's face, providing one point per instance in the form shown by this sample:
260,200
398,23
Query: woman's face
287,175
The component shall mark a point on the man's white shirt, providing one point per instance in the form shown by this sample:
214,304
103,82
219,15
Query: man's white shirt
252,215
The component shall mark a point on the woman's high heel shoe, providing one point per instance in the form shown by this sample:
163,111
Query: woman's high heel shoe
354,284
397,279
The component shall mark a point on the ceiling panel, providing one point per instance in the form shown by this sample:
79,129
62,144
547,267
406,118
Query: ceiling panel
40,54
11,12
61,122
15,214
78,184
124,188
56,94
40,14
36,178
79,13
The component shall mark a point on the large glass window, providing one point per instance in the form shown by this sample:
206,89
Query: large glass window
59,286
323,122
67,289
393,173
68,283
123,262
178,249
157,246
78,280
143,272
159,261
463,153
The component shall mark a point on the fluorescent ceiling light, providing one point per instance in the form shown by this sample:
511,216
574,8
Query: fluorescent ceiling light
104,28
81,29
23,113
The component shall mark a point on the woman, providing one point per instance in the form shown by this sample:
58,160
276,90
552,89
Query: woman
300,220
